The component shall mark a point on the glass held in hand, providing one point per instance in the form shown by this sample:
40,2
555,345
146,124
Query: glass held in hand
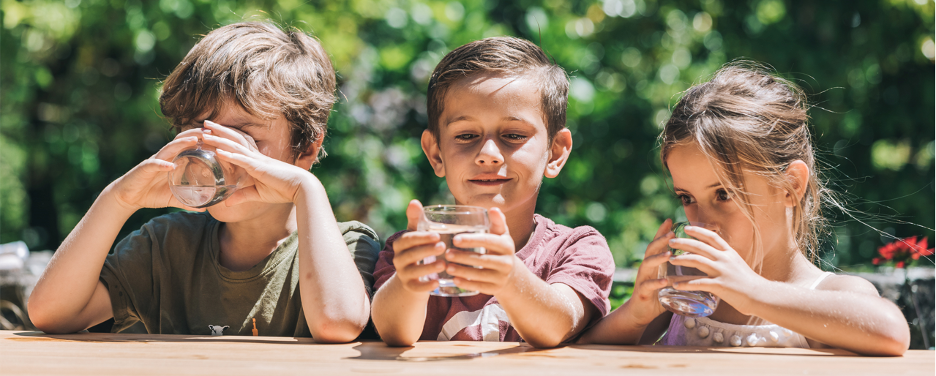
201,180
448,221
681,302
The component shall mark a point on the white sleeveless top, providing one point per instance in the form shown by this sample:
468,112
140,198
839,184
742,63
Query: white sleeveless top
705,332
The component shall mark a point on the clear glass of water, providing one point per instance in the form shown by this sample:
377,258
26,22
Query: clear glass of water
448,221
200,180
686,303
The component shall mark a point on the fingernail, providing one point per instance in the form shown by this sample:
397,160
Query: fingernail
689,227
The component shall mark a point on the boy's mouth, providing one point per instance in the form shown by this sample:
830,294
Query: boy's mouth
489,180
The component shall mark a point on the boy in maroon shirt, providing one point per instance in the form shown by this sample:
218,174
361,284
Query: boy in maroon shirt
496,126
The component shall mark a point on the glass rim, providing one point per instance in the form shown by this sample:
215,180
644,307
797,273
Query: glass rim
454,209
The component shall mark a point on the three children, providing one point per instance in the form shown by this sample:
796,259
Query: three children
738,149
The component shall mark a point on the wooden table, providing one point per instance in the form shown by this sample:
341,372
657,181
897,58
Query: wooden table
32,353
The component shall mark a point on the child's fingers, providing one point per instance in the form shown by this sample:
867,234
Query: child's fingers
418,253
473,285
174,147
664,228
704,264
698,284
249,164
474,274
234,134
659,245
487,261
227,145
416,271
414,212
493,244
707,236
697,247
412,239
498,221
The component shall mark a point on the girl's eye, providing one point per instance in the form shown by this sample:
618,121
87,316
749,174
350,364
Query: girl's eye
685,199
722,195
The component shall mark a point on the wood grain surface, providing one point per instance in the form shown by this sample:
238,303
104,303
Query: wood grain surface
33,353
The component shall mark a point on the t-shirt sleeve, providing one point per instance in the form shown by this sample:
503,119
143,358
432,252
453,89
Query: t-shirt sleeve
364,246
385,268
129,278
585,264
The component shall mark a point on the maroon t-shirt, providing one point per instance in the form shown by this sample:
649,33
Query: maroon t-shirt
579,258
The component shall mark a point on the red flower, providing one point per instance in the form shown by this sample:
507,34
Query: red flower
903,250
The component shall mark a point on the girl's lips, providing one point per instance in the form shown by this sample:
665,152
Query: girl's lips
489,182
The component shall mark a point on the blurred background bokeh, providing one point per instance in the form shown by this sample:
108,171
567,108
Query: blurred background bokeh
80,81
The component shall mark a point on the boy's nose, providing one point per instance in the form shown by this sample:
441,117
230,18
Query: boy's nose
490,154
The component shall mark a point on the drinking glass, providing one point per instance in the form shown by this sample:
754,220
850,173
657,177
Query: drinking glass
686,303
200,179
448,221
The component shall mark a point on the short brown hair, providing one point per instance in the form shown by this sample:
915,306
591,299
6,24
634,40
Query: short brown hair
502,56
262,68
746,118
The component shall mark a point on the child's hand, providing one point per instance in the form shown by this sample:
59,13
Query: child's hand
414,246
645,302
147,184
274,181
729,276
497,263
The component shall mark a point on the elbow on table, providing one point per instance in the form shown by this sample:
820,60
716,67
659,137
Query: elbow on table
545,341
41,318
335,331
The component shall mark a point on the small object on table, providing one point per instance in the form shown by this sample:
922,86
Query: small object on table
254,330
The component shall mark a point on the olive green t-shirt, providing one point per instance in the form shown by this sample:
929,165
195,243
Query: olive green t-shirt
165,278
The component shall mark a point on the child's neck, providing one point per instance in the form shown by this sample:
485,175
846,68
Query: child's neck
521,224
244,244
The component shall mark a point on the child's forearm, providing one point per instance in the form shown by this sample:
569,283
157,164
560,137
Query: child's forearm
544,315
399,314
333,296
617,328
64,299
854,321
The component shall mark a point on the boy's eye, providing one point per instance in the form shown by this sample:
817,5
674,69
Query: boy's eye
685,199
466,137
723,195
515,137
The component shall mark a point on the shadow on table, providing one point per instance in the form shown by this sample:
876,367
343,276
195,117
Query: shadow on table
715,350
143,338
380,351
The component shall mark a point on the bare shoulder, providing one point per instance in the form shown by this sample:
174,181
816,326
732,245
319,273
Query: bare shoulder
850,283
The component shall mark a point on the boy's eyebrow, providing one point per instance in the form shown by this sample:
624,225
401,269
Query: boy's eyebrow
459,118
505,118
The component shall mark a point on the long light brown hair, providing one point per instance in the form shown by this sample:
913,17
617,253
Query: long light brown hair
746,118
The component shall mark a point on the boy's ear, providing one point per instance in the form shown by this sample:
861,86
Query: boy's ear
430,147
559,152
308,157
797,173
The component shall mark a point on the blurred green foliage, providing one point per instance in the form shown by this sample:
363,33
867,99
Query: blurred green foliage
80,81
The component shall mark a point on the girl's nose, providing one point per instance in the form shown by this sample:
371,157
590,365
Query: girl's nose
489,155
